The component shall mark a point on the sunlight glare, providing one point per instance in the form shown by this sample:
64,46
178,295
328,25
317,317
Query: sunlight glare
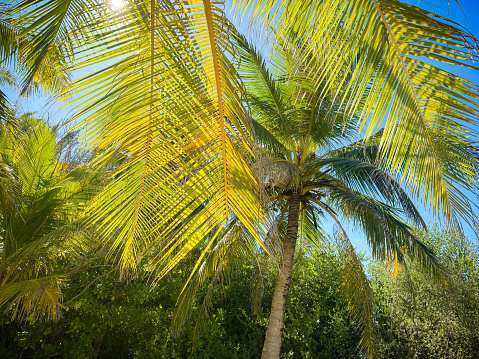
117,4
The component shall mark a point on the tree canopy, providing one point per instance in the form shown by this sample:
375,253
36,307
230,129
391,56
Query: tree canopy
201,140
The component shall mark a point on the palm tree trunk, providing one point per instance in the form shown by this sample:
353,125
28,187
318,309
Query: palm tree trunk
274,334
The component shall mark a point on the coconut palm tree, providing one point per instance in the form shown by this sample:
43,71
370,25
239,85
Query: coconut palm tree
41,197
344,182
169,100
310,172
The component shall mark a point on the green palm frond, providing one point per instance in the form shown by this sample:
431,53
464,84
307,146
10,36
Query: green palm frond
34,298
365,178
429,115
6,79
38,257
310,230
388,236
47,34
268,141
263,91
359,296
356,290
7,37
226,253
289,104
167,110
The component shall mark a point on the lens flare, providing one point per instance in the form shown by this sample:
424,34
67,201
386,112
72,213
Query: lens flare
117,4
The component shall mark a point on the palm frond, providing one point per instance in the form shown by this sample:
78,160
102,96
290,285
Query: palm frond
47,33
388,236
358,294
33,299
227,251
167,110
366,178
356,290
267,140
258,80
429,115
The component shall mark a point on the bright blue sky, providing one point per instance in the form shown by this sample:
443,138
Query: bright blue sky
54,112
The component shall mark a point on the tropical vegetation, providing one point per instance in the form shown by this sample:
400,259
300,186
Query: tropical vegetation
126,319
211,153
42,193
432,320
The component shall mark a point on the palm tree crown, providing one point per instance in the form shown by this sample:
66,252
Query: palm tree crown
309,173
186,122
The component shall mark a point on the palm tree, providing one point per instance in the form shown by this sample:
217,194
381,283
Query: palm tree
171,103
41,197
332,179
310,172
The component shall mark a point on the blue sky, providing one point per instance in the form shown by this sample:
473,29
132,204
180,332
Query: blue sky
467,17
58,111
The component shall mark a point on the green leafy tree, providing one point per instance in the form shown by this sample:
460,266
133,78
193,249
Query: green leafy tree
171,103
431,321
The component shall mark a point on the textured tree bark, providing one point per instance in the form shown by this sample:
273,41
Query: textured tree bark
274,334
98,341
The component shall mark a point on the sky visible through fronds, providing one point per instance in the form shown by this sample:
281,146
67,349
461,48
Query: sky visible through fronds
465,15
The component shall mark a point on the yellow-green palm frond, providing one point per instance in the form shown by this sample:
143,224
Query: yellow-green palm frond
429,115
226,253
358,294
33,298
46,36
166,113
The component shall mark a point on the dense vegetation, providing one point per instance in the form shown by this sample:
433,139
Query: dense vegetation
208,169
431,321
115,318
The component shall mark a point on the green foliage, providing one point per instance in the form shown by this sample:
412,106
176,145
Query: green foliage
41,196
126,319
317,323
433,321
108,317
170,102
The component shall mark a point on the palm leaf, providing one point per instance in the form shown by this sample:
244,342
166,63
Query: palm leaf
47,32
429,115
358,294
388,236
167,110
366,178
33,298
